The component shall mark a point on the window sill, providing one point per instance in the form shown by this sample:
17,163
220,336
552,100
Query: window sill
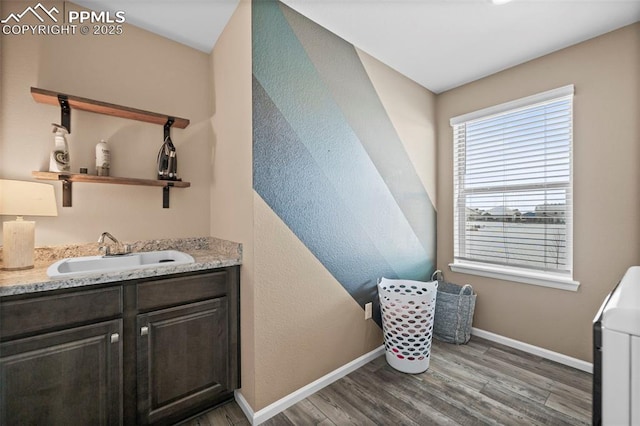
517,275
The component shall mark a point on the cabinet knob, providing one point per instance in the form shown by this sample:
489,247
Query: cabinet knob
115,338
144,330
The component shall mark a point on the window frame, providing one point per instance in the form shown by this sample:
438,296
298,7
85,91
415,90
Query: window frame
520,274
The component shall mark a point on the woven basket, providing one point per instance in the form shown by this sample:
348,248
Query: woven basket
454,312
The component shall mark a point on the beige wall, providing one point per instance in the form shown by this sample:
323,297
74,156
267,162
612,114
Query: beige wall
606,75
136,69
306,323
412,111
231,185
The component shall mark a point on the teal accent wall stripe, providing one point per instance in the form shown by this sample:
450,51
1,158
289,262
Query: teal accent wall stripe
344,75
308,107
289,180
327,159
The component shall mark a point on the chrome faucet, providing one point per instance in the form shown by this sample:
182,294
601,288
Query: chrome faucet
106,250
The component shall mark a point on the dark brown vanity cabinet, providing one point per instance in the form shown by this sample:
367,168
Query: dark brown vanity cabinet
187,345
61,358
137,352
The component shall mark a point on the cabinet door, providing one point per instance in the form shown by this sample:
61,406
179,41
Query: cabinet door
183,359
70,377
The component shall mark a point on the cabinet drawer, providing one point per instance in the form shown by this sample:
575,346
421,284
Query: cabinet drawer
19,317
175,291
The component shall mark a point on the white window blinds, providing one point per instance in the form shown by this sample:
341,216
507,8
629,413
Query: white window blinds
513,184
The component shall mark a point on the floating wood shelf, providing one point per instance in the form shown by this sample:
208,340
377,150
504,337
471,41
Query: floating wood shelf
83,177
69,102
84,104
68,178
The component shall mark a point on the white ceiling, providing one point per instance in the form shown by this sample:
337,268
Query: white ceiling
441,44
196,23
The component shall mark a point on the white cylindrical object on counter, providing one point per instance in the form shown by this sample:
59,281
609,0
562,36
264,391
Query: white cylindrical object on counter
103,158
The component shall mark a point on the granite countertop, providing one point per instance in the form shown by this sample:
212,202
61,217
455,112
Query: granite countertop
208,253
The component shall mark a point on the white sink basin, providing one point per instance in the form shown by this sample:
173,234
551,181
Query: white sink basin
73,266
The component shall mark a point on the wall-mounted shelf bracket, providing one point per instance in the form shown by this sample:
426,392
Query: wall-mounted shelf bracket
65,112
167,128
66,190
165,195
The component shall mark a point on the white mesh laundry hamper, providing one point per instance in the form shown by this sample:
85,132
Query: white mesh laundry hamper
408,309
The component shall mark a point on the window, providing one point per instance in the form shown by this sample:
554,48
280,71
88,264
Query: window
513,190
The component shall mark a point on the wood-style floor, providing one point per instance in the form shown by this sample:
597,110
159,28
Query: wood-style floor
475,384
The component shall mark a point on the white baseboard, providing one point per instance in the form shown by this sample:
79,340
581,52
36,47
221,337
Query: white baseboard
535,350
282,404
244,405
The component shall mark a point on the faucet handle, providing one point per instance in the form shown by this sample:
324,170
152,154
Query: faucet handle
105,250
126,248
